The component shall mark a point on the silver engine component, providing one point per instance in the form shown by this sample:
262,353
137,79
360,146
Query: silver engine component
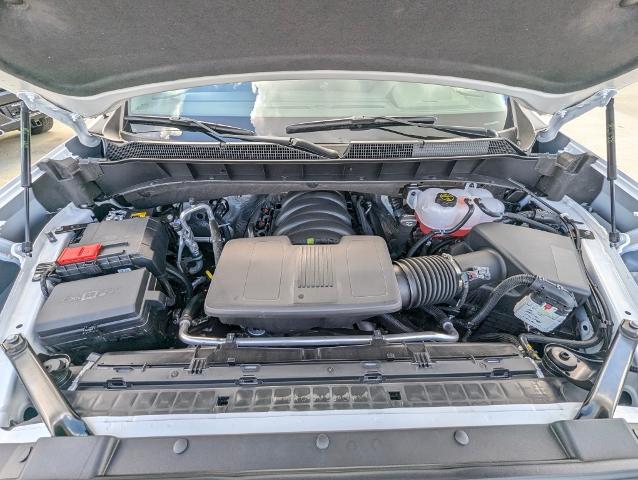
187,239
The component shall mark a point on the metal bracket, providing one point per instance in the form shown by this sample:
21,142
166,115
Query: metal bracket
422,359
8,251
197,364
41,269
561,117
248,381
586,234
70,228
603,398
73,120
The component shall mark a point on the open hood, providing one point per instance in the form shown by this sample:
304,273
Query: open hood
87,56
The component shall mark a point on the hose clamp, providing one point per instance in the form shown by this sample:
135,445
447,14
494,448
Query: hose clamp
457,268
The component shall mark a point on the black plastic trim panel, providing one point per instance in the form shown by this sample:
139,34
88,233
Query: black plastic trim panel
233,379
584,449
159,182
251,398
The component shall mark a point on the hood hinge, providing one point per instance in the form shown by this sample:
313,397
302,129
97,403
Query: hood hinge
561,117
73,120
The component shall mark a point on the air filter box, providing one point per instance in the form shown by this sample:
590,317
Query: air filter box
526,250
268,283
111,312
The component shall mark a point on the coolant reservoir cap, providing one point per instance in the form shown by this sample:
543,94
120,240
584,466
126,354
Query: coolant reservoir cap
445,199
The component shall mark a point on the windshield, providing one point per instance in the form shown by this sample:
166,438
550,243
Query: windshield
268,107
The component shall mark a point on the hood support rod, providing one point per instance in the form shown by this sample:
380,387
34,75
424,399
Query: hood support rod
603,398
612,170
25,172
58,416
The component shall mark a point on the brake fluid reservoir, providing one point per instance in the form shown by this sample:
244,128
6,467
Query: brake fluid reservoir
440,211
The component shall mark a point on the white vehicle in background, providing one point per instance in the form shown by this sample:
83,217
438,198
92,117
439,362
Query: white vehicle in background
318,239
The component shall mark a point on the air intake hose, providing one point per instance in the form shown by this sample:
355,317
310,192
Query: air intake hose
434,279
427,280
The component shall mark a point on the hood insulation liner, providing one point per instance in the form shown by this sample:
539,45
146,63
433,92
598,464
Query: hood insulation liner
96,46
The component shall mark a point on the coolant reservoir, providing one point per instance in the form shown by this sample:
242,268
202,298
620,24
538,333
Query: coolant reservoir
441,210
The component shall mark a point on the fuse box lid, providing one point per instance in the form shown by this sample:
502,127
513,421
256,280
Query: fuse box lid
106,303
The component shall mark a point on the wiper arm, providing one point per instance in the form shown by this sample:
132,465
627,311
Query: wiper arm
382,122
220,132
213,129
291,142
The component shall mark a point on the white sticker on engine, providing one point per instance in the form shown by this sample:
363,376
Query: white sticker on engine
543,317
479,273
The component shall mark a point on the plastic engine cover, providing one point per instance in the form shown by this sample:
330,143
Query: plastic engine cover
268,283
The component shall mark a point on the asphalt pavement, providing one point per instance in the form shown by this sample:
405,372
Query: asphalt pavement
40,146
589,130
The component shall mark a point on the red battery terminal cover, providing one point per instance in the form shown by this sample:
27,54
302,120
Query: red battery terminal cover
81,253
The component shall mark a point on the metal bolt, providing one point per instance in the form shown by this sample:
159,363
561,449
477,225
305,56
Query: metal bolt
461,437
322,441
633,323
12,339
180,446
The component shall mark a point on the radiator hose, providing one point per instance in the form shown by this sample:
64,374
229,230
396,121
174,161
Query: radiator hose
393,325
192,308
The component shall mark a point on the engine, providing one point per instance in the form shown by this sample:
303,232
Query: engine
310,218
303,264
310,270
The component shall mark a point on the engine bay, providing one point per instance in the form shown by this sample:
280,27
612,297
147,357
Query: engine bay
321,268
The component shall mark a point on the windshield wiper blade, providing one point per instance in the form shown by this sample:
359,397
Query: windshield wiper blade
220,132
215,129
358,123
382,122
